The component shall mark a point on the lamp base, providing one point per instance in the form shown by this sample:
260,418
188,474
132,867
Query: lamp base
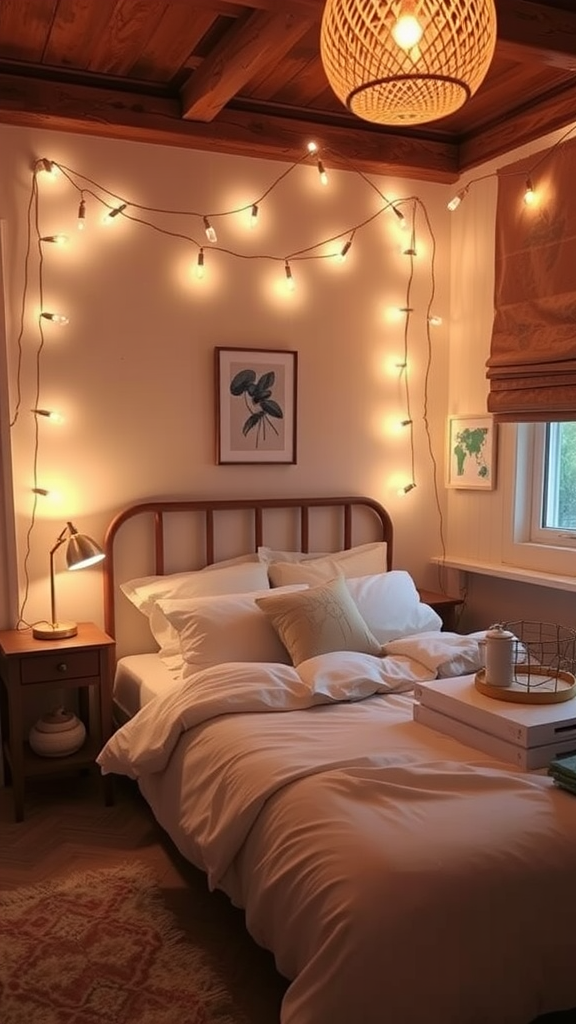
54,630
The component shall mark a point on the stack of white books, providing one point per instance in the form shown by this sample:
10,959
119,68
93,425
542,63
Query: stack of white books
527,735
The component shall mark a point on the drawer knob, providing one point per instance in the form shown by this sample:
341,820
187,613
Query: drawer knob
62,667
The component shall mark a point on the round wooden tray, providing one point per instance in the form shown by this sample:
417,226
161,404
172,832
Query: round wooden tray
554,688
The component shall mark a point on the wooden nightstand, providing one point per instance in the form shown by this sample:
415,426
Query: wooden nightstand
83,663
444,605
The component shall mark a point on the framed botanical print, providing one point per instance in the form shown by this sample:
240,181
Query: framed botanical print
471,452
256,395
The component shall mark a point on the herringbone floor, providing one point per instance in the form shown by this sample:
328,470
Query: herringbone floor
67,828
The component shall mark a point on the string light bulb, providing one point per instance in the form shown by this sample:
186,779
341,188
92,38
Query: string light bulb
54,417
406,489
322,173
529,194
41,490
290,282
435,321
114,212
344,251
55,318
81,223
411,251
254,215
312,147
200,265
210,232
405,423
401,217
457,199
55,239
48,166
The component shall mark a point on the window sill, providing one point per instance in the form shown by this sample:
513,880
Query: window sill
510,572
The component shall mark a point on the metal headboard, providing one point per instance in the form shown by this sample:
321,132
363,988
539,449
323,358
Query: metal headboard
158,511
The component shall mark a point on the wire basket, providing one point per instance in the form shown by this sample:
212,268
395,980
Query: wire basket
544,664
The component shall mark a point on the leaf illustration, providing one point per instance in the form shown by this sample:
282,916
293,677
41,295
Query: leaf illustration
242,381
264,386
272,408
251,422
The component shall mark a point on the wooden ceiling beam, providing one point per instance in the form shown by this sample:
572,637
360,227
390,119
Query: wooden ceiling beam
250,45
115,114
537,32
526,125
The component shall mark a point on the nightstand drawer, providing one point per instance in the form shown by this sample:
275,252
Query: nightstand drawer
60,665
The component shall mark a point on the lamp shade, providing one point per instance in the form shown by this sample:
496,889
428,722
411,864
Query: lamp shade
81,551
406,62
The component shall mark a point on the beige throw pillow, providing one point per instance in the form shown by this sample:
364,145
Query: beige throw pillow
318,621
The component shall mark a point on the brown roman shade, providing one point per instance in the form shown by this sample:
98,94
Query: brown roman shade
532,364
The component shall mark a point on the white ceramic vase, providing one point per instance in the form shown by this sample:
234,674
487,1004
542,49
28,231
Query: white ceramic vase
57,734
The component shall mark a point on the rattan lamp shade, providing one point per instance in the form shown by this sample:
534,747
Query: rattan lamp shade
380,81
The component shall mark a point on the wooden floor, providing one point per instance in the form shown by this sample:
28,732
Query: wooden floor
67,828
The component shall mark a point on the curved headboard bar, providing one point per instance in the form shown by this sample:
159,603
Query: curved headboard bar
159,509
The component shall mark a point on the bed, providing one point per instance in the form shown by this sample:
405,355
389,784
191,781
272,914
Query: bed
395,874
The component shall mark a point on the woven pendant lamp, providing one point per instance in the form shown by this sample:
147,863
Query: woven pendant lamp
405,62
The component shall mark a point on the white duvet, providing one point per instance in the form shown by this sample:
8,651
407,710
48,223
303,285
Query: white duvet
397,875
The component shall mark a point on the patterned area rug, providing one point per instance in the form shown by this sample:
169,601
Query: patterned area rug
100,948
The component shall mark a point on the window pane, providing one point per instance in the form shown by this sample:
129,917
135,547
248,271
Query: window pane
559,497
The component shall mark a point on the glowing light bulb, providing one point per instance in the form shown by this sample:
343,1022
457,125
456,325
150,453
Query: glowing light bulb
435,321
55,318
405,423
322,173
200,265
54,417
457,199
49,167
312,147
210,232
401,217
410,252
41,490
344,251
530,196
407,31
290,282
55,239
254,216
406,489
81,215
110,216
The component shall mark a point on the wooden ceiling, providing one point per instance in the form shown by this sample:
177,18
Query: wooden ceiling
246,78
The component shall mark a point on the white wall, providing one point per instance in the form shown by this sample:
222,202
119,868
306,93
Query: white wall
133,371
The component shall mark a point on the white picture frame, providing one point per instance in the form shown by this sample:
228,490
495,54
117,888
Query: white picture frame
471,455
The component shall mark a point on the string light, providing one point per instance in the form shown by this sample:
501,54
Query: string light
81,215
114,212
200,265
457,199
400,215
406,489
312,147
290,282
56,318
435,321
210,232
254,215
410,252
55,417
41,490
405,423
344,251
56,239
530,194
322,173
48,166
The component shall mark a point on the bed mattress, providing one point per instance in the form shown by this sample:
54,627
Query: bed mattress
138,679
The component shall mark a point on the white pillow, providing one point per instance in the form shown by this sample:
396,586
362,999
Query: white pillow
213,630
390,605
318,621
233,578
363,560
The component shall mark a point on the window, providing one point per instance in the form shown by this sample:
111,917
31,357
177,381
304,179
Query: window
540,494
553,503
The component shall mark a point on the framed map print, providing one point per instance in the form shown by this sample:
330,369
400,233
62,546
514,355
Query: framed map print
471,452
